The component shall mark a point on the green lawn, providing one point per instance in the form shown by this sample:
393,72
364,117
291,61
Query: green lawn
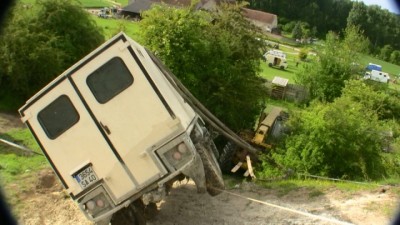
390,68
95,3
113,26
89,3
271,72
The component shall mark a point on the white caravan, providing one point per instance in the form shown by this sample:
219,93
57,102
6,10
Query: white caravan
276,58
377,76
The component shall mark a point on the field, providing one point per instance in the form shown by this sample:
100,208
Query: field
392,69
90,3
112,27
292,58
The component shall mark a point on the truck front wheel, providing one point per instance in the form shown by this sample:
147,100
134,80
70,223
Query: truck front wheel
131,215
214,181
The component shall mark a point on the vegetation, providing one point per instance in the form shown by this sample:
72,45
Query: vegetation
324,77
59,30
217,61
317,18
348,138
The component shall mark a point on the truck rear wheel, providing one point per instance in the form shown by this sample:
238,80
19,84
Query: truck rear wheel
226,157
131,215
214,181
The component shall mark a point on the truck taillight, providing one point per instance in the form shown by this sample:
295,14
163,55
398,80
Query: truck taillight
97,205
178,156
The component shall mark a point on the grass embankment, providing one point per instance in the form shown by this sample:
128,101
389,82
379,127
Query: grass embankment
315,187
112,27
19,169
390,68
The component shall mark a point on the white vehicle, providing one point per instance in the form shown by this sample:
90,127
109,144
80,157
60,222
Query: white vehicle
377,76
276,58
118,132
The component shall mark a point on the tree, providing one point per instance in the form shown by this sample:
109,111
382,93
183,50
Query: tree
76,32
395,57
342,139
325,77
297,31
41,41
303,53
215,54
386,51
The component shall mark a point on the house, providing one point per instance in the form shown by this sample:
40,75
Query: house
136,7
266,21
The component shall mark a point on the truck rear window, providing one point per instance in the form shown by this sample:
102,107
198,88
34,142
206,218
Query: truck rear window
109,80
58,117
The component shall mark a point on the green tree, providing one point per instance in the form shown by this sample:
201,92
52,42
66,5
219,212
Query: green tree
41,41
386,51
303,53
297,31
215,55
324,77
76,32
342,139
395,57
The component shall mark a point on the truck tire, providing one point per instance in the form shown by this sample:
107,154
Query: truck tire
214,181
131,215
226,157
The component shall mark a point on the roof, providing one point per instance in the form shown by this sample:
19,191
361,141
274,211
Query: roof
259,15
137,6
280,81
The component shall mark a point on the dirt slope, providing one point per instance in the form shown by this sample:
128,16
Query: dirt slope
44,202
47,204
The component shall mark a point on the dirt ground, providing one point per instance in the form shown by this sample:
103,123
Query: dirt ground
48,204
44,202
9,121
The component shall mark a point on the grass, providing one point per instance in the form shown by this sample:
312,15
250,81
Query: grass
315,187
291,57
95,3
18,170
111,27
15,163
390,68
89,3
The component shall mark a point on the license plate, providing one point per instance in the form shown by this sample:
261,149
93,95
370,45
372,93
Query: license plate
86,177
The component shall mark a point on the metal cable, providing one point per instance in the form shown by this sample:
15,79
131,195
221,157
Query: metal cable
200,109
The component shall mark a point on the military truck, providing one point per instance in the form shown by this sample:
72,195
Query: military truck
118,129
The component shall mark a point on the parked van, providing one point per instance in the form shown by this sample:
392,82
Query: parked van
118,133
377,76
276,58
372,66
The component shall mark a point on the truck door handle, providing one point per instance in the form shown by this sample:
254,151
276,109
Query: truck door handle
105,128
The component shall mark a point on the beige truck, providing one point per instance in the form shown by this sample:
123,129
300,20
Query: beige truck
117,132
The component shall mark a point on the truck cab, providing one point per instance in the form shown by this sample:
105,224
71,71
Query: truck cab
116,131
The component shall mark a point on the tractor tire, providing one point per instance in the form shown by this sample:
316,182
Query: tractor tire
214,181
131,215
226,157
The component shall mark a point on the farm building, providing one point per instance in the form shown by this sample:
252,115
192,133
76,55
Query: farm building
266,21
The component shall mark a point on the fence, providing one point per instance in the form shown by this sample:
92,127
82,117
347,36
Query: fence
292,92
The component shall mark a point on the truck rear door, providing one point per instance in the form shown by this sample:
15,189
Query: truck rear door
73,143
129,108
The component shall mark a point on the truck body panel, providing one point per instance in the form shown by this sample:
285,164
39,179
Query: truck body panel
113,126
